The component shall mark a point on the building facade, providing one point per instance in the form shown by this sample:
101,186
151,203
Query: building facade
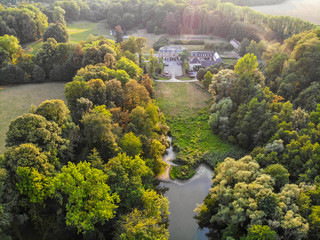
170,53
203,59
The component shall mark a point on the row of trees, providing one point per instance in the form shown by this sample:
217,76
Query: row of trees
87,170
207,17
26,22
273,193
253,2
60,61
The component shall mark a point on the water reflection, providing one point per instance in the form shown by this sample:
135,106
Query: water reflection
183,197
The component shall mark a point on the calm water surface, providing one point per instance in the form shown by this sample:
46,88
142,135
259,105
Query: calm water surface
183,197
308,10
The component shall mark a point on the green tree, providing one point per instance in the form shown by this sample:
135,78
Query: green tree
130,67
242,195
33,184
131,144
33,128
122,76
207,80
115,95
279,174
96,91
57,31
28,155
147,223
222,84
45,57
54,110
258,232
130,45
72,9
153,60
58,15
98,132
9,45
127,176
200,74
246,65
141,45
89,197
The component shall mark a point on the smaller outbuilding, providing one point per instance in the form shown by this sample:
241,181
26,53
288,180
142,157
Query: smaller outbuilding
203,59
235,43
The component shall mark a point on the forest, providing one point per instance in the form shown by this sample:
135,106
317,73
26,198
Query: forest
30,22
87,168
271,108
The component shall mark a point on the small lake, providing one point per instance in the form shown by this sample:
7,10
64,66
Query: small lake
308,10
183,197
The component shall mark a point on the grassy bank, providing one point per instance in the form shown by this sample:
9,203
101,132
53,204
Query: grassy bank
185,106
16,100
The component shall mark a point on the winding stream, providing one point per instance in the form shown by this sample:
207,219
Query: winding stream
183,197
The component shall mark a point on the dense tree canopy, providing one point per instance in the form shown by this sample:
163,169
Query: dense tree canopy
56,31
87,169
26,22
89,199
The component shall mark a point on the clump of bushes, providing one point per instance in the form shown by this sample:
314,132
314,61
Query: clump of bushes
182,172
163,41
189,42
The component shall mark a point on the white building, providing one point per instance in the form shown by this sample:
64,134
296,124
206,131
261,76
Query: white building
170,53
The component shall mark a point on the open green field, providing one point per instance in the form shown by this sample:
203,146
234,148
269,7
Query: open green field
78,31
185,106
230,61
152,38
16,100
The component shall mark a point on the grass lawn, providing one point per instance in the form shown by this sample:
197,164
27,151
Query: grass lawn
162,78
184,78
16,100
152,38
185,106
33,47
230,61
80,30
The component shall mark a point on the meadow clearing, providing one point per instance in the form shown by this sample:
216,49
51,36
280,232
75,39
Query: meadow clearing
17,100
78,31
185,106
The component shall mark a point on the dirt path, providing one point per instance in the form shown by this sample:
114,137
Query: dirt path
165,176
177,81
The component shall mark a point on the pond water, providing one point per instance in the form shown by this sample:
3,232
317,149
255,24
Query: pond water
308,10
183,197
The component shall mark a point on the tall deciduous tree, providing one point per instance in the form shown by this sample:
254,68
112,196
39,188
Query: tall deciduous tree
57,31
89,197
131,144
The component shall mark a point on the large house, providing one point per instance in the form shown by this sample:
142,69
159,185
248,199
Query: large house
170,53
203,59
